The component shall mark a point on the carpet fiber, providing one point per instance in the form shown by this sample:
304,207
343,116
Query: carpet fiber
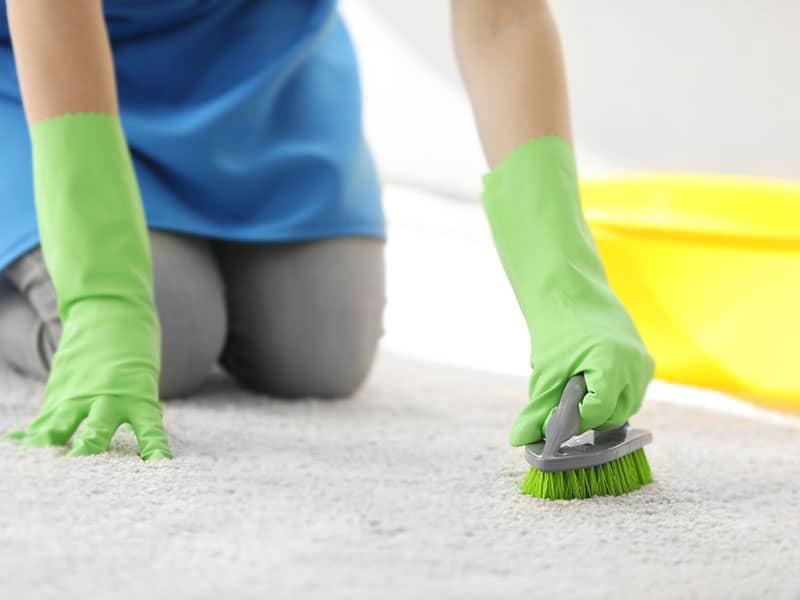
409,489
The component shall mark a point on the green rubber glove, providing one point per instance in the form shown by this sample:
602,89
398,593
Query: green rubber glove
576,323
95,244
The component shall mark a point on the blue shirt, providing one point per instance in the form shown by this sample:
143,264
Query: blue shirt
243,118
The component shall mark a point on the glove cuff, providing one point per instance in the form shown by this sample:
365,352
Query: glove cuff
91,221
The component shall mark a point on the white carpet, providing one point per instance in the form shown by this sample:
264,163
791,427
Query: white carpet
407,490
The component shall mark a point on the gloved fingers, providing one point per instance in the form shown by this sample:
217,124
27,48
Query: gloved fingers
625,407
51,401
528,427
547,419
601,399
45,414
633,395
148,425
58,427
43,417
617,378
101,424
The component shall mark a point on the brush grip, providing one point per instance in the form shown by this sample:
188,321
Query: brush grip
566,420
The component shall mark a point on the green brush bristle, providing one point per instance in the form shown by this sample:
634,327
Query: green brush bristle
617,477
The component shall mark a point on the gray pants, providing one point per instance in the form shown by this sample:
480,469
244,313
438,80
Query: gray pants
286,319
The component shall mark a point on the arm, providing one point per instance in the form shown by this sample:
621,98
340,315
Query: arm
510,58
63,57
93,233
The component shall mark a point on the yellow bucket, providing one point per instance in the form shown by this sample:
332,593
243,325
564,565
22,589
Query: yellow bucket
709,268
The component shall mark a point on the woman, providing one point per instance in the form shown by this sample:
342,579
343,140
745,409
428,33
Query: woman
241,201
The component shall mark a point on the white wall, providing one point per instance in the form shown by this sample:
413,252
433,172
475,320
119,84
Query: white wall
711,86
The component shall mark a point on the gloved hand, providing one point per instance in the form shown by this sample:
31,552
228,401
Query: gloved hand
576,323
96,247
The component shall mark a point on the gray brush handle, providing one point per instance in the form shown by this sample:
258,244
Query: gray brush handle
566,420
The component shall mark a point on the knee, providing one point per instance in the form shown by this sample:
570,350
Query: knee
28,337
27,343
191,308
305,318
331,363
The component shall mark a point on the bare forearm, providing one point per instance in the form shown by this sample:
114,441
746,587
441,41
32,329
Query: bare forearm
510,58
63,57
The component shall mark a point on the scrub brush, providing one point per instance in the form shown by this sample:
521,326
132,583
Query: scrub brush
597,463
